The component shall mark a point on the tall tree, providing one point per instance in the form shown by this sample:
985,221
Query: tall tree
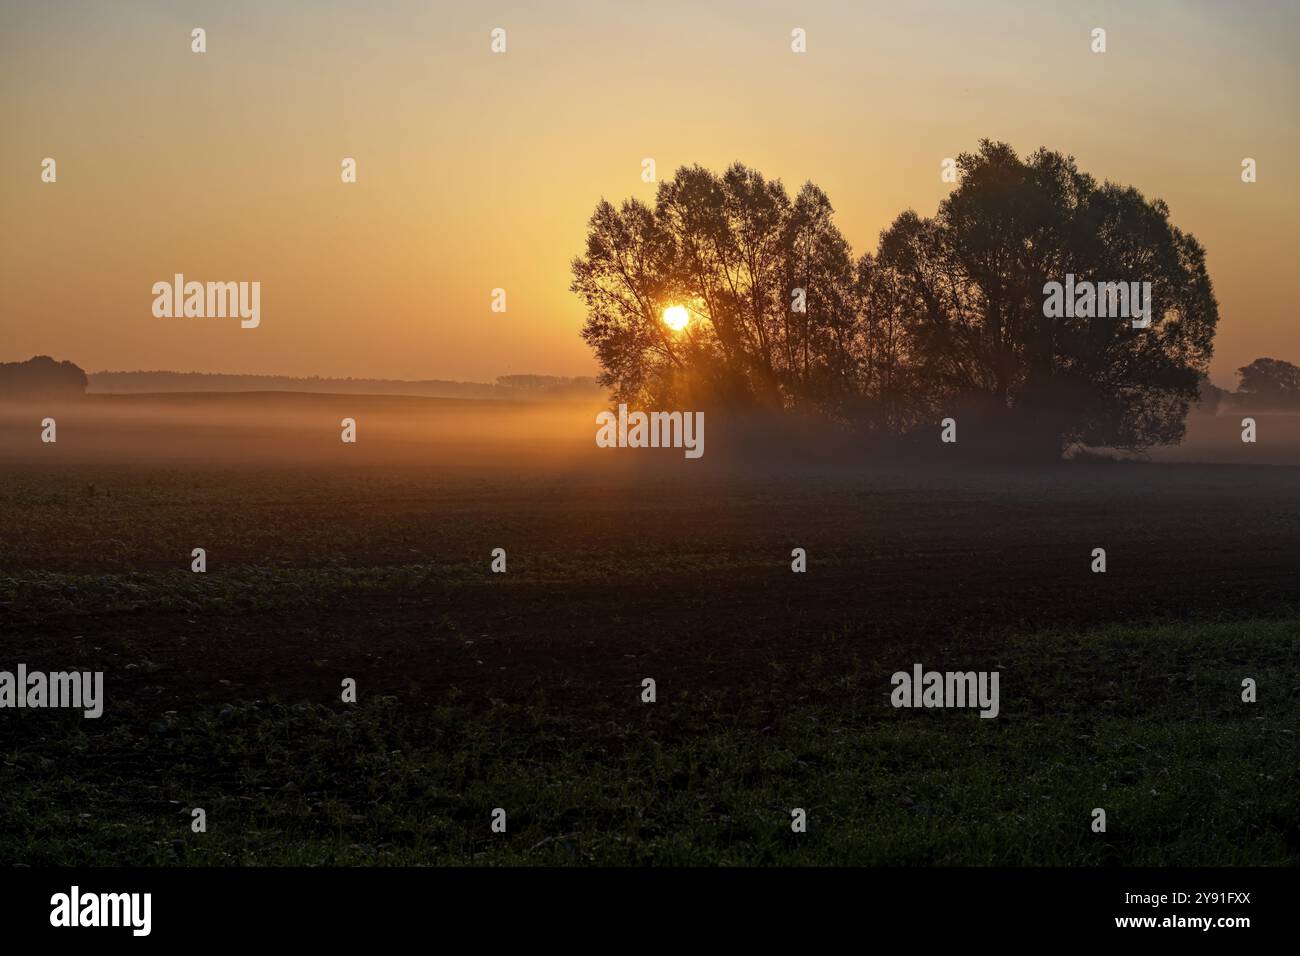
975,276
732,249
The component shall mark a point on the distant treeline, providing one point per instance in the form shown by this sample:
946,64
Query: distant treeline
539,387
1264,383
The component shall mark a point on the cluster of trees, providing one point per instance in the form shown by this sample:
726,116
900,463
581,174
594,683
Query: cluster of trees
41,377
946,317
1269,383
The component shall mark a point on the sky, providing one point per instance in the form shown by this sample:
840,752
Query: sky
478,171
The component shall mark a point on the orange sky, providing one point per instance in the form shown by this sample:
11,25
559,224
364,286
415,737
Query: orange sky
479,171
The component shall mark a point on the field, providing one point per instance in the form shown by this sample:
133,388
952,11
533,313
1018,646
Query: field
522,690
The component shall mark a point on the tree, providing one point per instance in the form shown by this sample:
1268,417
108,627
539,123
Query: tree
974,279
41,377
732,249
946,317
1270,381
1209,396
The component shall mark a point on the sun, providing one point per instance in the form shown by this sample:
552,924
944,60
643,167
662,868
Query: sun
676,317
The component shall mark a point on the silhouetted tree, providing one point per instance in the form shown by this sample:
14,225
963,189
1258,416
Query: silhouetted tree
1270,382
731,249
974,278
41,377
1209,396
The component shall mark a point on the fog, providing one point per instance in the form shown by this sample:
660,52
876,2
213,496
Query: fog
279,428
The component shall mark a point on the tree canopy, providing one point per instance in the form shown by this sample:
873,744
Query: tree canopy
1271,381
946,316
41,377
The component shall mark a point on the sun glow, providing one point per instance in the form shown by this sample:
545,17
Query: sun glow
676,317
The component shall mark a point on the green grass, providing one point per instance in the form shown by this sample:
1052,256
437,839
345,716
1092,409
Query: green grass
1146,722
